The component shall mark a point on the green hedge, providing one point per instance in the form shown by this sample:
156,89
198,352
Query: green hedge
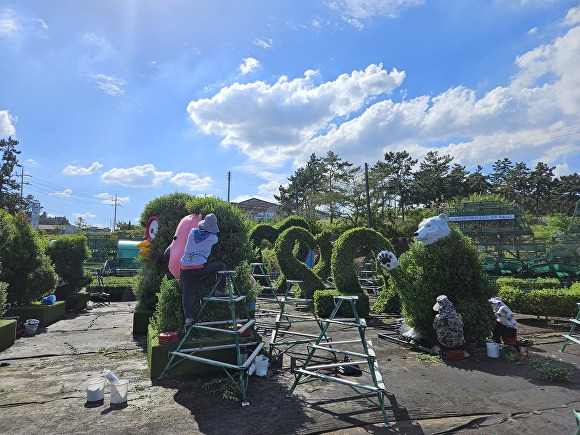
544,302
324,304
68,254
45,314
7,333
529,284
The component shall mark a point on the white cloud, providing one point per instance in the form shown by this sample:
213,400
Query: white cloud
191,181
96,47
250,64
270,122
110,199
110,85
64,194
533,31
533,116
8,24
264,44
137,176
79,170
6,126
573,16
85,216
356,12
31,161
41,22
563,169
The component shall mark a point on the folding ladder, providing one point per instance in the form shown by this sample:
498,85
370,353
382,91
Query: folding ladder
571,336
261,275
285,319
237,372
367,356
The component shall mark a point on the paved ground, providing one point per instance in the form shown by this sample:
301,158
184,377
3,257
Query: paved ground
42,389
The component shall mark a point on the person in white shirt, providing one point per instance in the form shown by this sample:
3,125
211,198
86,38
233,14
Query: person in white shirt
505,329
194,265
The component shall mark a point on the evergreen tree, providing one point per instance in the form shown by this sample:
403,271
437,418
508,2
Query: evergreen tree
477,182
336,175
9,186
498,178
429,183
541,179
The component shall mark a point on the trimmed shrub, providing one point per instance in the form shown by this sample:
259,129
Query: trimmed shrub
3,288
169,209
68,254
449,267
290,266
322,267
169,312
545,302
342,263
529,284
25,266
324,304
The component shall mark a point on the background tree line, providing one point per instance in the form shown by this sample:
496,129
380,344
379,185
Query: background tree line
397,184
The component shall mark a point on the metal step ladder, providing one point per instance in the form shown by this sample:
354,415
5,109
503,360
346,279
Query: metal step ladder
367,356
238,372
261,275
279,343
571,336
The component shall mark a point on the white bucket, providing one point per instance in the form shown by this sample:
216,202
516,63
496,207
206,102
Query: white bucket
492,349
119,391
261,365
95,389
31,326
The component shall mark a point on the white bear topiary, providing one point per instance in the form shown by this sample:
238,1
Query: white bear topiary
432,229
442,262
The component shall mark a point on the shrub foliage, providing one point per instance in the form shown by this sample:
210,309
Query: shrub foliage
68,254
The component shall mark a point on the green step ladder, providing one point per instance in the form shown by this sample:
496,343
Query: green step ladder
238,372
279,343
261,275
571,336
367,356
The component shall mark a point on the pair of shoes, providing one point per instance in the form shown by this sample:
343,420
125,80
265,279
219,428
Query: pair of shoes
349,369
221,294
188,323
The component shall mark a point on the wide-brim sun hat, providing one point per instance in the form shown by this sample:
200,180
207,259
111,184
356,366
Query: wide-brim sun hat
209,224
442,301
496,300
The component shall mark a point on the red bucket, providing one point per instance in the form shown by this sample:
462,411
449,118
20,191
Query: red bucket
168,337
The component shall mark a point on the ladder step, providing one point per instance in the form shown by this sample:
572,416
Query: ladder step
294,281
295,300
575,339
576,321
258,275
341,351
338,380
300,334
293,342
218,347
224,299
361,324
334,365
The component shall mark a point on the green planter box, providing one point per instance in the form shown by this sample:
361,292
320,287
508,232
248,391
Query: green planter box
141,321
45,314
7,333
158,356
77,301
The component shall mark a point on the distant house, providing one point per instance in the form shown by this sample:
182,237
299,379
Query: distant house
257,209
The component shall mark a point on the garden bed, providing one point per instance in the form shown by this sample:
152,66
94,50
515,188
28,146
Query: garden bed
158,356
7,333
45,314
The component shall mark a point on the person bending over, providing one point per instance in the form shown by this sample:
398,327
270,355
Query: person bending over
505,329
194,265
447,330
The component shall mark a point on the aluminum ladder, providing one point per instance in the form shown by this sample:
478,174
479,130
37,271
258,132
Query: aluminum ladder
238,372
279,343
367,357
571,336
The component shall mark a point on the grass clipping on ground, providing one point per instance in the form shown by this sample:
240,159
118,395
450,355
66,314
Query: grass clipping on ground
548,367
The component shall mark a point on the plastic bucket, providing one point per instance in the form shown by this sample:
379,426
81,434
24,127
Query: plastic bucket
492,349
95,390
31,326
119,391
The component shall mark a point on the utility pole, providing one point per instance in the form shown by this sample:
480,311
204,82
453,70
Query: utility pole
369,218
229,180
22,183
115,215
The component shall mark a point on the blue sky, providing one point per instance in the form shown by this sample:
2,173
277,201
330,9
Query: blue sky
135,99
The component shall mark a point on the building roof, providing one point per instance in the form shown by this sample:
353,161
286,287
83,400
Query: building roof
255,205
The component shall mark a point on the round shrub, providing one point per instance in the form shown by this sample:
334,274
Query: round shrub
68,254
25,266
168,314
